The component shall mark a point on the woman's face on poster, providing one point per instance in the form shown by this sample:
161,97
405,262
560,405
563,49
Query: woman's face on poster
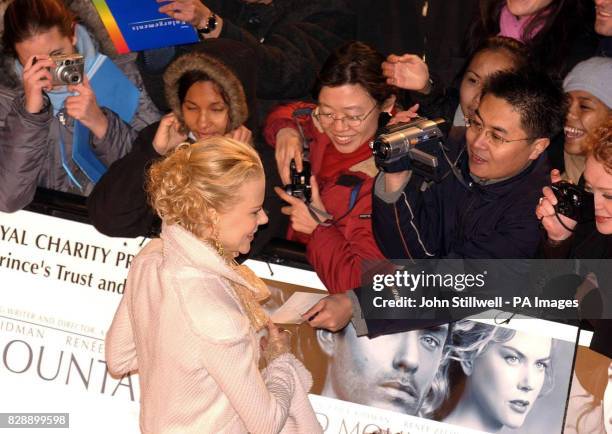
508,377
607,403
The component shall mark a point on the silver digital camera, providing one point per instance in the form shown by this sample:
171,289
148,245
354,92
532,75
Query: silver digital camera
69,69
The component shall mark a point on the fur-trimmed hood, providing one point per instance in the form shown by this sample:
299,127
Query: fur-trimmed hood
219,73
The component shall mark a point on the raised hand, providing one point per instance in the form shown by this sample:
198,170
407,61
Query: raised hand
36,78
242,134
168,135
405,116
545,212
193,12
408,71
85,109
288,147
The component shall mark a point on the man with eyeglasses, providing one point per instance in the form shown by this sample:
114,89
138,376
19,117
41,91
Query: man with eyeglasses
482,210
486,210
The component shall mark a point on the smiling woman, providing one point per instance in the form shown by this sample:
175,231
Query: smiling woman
189,310
590,95
352,93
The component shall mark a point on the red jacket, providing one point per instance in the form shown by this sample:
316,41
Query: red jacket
336,252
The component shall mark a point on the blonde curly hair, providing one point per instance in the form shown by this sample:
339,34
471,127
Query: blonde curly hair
196,179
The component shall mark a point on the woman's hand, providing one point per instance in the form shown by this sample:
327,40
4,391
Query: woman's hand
276,343
36,78
288,147
407,72
405,116
241,134
84,108
193,12
300,216
168,135
332,313
545,212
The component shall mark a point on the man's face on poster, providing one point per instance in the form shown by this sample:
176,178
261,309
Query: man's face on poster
393,372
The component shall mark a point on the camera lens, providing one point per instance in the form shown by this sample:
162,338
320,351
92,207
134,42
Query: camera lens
381,149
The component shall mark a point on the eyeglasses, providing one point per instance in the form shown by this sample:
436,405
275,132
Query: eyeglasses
495,139
327,119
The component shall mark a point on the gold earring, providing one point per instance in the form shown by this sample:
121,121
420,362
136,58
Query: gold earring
215,237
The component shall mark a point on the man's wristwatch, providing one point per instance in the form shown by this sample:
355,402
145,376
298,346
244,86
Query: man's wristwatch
211,25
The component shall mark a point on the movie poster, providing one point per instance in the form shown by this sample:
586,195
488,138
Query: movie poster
510,378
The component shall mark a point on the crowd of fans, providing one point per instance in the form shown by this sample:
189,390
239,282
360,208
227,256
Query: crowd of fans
523,86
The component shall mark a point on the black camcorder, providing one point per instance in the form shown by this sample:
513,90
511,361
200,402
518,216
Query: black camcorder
300,182
573,201
410,145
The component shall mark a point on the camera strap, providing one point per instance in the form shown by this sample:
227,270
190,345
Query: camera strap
316,212
62,118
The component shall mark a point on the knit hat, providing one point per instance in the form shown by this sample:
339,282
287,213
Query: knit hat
594,76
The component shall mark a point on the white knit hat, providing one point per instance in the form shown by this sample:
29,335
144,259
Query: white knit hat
594,76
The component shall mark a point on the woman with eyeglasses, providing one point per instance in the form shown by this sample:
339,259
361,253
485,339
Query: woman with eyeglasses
336,227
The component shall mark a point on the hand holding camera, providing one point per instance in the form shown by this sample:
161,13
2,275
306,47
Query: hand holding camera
558,208
412,145
36,79
288,148
306,208
84,108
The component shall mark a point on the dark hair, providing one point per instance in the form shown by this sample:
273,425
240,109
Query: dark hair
192,77
515,49
26,18
355,63
540,101
548,47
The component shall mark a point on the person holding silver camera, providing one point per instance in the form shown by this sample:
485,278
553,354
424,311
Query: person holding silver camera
66,111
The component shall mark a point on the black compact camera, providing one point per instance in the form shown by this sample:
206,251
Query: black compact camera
418,141
300,182
573,201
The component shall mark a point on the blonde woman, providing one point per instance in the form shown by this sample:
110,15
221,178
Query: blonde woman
189,317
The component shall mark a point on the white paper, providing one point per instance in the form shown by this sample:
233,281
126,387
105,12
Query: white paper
299,302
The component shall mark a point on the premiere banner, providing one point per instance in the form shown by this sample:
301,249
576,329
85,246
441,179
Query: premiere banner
61,282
